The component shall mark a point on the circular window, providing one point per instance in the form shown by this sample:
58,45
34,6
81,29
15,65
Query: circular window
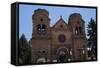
41,19
61,38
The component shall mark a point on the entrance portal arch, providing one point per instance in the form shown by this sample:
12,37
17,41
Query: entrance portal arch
62,54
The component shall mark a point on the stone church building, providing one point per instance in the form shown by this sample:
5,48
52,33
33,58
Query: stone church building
63,42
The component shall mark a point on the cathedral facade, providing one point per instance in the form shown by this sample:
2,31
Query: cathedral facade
63,42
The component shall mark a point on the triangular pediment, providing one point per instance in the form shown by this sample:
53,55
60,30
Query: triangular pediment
60,24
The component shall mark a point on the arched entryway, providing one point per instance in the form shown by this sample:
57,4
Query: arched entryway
62,54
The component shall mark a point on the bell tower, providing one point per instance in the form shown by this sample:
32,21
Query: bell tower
41,21
78,36
78,24
40,35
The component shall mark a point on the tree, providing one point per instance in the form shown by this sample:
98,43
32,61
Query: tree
92,33
24,51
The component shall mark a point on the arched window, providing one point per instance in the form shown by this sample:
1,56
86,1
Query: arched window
76,30
43,27
39,28
80,30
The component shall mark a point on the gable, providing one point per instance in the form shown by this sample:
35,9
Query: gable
60,24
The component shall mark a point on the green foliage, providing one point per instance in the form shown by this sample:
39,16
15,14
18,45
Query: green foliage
92,33
40,54
24,51
92,40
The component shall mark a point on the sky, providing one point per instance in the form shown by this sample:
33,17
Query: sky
26,11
